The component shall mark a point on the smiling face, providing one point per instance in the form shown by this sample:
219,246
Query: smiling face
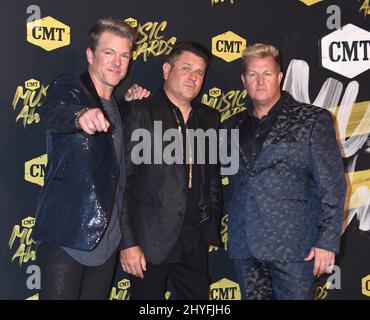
184,78
262,80
109,63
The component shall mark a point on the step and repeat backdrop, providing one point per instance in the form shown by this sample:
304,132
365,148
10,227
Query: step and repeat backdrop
325,47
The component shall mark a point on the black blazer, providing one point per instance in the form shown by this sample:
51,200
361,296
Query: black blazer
155,199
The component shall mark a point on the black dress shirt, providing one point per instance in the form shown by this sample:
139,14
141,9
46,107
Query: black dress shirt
254,131
190,233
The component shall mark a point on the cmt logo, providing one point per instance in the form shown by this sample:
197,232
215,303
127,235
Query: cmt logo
215,92
34,170
48,33
32,84
365,285
132,22
228,46
225,289
121,292
346,51
28,222
227,103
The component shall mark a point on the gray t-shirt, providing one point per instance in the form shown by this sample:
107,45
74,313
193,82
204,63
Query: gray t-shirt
108,245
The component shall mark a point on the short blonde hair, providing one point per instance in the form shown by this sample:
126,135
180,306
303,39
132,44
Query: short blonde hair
261,50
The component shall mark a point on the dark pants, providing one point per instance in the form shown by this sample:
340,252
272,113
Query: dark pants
266,280
189,279
63,278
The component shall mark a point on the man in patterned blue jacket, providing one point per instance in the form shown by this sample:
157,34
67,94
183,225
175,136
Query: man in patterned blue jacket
287,199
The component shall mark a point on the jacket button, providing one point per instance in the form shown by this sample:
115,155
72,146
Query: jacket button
252,174
185,190
181,214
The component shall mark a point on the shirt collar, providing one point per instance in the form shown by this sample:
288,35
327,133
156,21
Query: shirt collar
171,105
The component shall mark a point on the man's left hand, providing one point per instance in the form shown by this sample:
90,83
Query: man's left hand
324,260
136,92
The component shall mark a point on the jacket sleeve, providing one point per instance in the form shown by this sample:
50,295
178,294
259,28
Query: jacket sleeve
328,173
59,113
129,236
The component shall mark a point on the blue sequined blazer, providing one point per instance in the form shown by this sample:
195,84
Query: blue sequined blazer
76,201
292,198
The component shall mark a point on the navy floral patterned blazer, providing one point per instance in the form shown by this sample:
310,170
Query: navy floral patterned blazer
292,198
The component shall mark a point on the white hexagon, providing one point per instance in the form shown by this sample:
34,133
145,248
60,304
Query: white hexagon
346,51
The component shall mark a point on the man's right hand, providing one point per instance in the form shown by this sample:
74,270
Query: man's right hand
133,261
93,120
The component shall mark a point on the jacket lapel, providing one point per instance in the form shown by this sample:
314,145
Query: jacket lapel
89,89
282,128
238,123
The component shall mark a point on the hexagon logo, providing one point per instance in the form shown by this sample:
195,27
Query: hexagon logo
48,33
346,51
32,84
215,92
132,22
225,289
28,222
228,46
365,285
310,2
34,170
124,284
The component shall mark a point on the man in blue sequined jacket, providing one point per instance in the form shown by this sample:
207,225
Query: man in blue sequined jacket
78,216
286,201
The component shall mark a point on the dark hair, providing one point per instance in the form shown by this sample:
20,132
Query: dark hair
189,46
115,26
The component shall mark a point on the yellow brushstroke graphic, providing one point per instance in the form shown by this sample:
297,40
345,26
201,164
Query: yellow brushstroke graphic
357,180
357,114
365,7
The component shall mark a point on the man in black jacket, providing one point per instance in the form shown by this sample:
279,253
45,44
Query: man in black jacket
172,209
79,209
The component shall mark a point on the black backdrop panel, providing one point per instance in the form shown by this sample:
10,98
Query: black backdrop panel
296,27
